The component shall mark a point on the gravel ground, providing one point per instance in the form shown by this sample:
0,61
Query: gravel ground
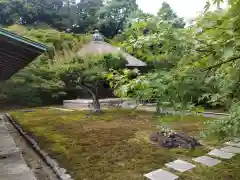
36,164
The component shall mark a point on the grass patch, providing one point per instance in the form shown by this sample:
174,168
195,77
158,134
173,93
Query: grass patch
111,146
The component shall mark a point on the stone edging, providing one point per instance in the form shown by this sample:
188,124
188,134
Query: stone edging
215,113
60,172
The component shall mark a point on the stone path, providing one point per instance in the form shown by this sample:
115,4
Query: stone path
230,150
12,164
180,165
208,161
221,154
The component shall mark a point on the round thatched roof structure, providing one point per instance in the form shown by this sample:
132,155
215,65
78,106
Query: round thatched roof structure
98,46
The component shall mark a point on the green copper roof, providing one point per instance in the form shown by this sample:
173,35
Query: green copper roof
16,52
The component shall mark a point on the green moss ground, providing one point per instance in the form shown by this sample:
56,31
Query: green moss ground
114,145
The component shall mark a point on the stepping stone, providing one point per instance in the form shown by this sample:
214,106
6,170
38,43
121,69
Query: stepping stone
221,154
207,161
231,149
180,165
161,175
230,143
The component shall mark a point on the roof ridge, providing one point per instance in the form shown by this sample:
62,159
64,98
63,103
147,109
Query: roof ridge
22,39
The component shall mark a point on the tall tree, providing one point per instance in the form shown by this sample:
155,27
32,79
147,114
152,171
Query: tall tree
113,15
166,13
87,15
32,12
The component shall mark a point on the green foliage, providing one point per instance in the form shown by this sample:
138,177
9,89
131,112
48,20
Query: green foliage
166,13
30,11
53,38
42,82
176,89
33,86
195,65
228,126
114,14
82,16
86,15
156,39
203,59
162,47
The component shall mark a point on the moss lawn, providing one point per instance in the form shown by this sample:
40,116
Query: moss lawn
114,145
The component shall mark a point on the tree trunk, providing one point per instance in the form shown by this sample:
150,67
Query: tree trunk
96,104
158,108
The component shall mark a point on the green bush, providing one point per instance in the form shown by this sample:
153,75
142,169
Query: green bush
228,126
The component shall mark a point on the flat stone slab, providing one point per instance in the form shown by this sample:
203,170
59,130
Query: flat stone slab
230,143
9,152
20,176
231,149
6,142
221,154
161,174
3,126
208,161
13,165
180,165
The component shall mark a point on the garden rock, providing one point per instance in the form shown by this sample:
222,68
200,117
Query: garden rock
174,140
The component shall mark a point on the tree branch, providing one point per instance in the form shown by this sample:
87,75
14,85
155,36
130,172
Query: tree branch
224,62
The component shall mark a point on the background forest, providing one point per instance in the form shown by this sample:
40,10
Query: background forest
189,65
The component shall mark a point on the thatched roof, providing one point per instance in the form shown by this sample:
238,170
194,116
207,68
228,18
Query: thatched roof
101,47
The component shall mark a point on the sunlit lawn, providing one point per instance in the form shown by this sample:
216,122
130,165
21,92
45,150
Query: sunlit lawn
115,145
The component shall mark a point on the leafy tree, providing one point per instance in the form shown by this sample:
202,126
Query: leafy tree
167,14
228,126
87,74
86,15
113,16
175,89
161,46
